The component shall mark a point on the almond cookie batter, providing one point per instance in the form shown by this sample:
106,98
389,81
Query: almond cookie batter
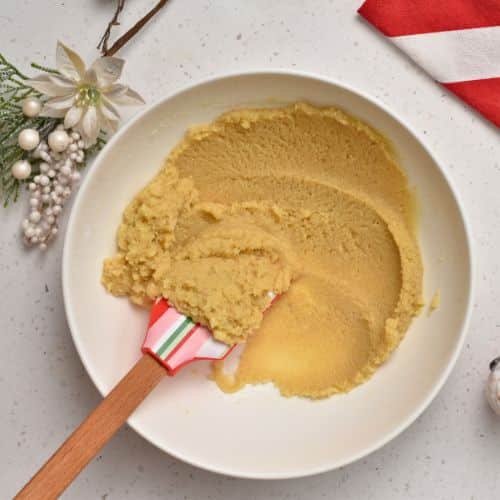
307,202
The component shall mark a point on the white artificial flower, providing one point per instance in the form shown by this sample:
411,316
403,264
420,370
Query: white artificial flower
85,98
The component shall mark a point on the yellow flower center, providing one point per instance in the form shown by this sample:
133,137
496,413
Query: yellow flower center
87,96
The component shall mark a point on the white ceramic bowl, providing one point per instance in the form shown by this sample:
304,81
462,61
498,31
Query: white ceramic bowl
256,433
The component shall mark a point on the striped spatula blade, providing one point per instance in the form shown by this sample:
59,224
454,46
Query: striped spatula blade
175,339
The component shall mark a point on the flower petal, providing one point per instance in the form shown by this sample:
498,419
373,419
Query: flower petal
91,78
108,70
62,81
115,91
51,112
90,125
109,126
108,110
46,86
62,102
73,116
121,94
134,97
69,63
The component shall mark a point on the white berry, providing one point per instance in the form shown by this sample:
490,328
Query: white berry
21,169
58,140
28,139
65,170
35,216
31,107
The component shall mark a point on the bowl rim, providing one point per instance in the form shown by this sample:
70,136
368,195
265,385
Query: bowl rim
385,439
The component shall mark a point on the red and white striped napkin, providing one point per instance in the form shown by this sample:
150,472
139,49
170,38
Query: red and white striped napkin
456,41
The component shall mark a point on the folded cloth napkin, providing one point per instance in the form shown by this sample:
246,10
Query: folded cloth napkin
456,41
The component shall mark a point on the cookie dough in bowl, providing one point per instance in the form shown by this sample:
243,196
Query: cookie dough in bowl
305,201
237,220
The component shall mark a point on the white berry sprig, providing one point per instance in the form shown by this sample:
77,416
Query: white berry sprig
51,188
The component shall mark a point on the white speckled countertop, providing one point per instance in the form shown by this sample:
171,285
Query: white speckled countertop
451,452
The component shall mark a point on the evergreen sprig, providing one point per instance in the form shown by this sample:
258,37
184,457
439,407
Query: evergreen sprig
13,90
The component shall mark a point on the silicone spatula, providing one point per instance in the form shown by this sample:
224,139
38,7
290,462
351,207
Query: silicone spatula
172,341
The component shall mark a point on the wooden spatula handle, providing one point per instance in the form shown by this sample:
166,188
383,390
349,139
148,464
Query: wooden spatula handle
77,451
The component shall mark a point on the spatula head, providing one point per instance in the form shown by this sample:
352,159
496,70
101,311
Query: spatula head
175,340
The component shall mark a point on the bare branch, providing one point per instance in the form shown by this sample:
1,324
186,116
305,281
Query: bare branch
103,44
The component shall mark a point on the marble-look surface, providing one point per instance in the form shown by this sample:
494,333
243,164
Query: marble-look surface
451,452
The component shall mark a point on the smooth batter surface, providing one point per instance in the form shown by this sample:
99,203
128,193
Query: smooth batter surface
307,202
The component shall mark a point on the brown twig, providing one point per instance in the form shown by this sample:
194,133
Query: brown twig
130,33
103,44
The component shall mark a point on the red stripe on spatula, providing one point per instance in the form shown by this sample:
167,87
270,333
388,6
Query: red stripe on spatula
157,311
